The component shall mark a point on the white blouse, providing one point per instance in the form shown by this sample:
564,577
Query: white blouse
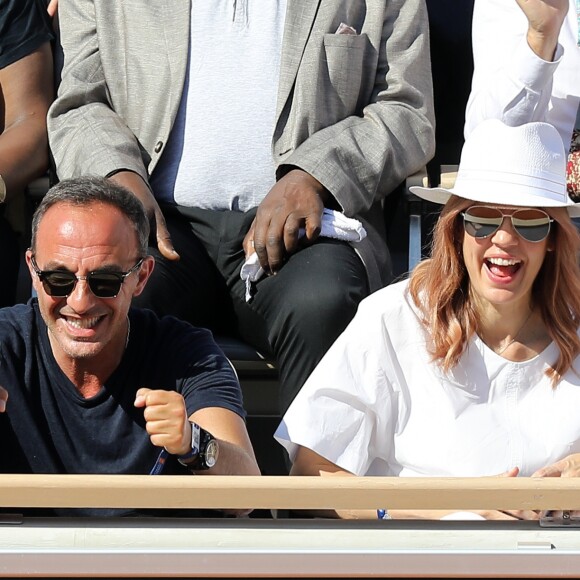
377,405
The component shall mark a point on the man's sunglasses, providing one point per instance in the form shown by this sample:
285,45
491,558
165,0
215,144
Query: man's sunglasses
61,283
531,224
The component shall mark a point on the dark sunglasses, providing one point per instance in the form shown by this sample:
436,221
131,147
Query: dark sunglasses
61,283
531,224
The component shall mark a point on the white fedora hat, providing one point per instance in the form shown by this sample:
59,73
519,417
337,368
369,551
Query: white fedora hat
518,166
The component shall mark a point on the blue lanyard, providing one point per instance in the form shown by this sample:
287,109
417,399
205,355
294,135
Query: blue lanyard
160,463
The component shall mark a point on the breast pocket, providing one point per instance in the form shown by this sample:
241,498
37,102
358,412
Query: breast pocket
342,85
332,83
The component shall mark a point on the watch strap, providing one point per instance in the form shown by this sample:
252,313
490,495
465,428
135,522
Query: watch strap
193,453
195,459
187,458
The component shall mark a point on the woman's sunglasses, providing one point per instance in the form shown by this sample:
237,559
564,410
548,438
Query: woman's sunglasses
531,224
61,283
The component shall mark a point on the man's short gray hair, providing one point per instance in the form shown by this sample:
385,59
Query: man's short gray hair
83,191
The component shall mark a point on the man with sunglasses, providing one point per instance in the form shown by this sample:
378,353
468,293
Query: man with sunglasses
91,385
470,367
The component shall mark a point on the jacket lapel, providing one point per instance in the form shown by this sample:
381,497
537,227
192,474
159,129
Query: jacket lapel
299,20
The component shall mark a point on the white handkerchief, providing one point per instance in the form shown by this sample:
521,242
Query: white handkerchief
345,29
334,225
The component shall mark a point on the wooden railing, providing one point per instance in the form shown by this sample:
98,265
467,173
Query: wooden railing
286,492
288,547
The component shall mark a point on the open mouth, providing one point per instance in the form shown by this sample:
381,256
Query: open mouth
82,324
503,267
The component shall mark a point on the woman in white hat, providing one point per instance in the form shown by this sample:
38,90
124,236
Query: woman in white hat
471,367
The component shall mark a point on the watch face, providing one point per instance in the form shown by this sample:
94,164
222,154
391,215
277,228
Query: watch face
211,453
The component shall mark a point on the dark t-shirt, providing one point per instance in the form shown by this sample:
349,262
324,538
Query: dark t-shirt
49,428
24,26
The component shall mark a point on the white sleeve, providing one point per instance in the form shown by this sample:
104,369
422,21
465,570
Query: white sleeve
510,82
346,410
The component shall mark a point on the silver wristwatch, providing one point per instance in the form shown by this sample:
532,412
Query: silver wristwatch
204,450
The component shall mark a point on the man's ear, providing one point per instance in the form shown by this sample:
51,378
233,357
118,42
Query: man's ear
145,271
35,280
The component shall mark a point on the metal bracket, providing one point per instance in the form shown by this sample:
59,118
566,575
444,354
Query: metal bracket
562,520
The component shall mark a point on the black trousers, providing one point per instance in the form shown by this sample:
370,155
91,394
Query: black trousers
293,316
